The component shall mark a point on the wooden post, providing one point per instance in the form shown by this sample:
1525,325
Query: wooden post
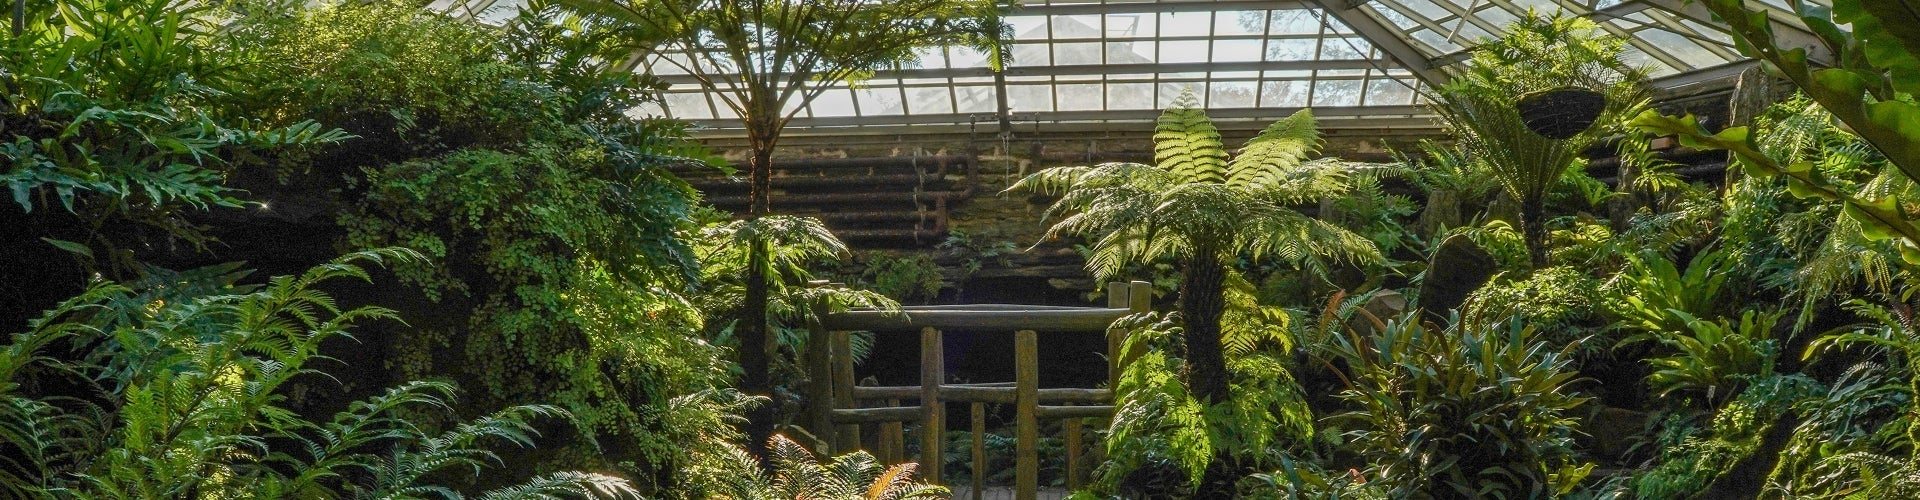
1072,428
932,373
1026,376
821,397
893,439
1116,337
848,435
1139,300
979,450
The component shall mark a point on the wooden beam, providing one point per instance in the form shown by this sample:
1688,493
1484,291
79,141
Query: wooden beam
932,427
986,394
843,387
1086,319
820,396
1116,337
979,450
1026,376
1388,38
1059,412
873,415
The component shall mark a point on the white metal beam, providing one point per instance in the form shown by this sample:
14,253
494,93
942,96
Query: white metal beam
1388,38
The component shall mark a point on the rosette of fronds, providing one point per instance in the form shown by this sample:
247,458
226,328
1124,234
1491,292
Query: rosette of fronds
1462,413
1202,207
1538,54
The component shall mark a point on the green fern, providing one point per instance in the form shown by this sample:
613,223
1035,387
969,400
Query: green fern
193,375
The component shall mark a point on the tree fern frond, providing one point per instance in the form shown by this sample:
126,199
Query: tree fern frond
1186,144
563,485
1269,156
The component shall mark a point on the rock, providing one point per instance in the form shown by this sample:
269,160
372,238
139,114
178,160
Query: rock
1456,269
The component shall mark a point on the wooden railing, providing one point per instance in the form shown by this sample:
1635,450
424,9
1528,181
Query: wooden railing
836,415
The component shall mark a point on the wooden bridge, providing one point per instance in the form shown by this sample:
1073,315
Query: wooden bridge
836,414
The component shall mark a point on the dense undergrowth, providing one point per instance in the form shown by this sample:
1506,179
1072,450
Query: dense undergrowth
477,273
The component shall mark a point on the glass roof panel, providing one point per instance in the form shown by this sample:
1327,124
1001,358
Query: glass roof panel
1089,56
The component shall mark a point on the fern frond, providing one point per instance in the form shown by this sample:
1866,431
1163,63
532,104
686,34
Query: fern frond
1269,156
1186,144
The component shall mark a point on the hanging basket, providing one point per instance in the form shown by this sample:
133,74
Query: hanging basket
1561,113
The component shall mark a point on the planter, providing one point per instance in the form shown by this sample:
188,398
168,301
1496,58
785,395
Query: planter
1561,113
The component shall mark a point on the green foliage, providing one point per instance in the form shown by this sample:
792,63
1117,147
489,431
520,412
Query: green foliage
1561,303
558,269
113,115
1686,469
914,278
189,369
1715,358
1461,413
1194,201
797,473
1537,54
1867,86
1501,240
1656,296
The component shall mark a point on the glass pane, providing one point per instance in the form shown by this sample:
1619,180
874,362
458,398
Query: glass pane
1029,54
975,99
881,101
964,57
1283,94
1235,50
1068,27
1183,51
1028,27
1239,22
1080,97
930,100
1294,22
833,102
1336,93
1030,97
1131,25
1344,48
1231,95
1065,54
1130,96
1185,23
1681,48
1171,91
1290,49
1389,92
689,106
1130,52
928,57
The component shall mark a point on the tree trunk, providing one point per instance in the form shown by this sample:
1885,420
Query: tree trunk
1202,302
752,326
1533,227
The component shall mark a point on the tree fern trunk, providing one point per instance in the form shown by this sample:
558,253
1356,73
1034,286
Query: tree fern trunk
1202,302
1533,226
752,326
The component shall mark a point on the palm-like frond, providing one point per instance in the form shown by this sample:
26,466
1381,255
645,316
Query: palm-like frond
1269,156
1194,198
1186,144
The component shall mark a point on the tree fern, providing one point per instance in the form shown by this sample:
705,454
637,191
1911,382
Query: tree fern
192,376
1196,207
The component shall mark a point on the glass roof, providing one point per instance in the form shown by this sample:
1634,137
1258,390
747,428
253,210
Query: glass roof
1108,61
